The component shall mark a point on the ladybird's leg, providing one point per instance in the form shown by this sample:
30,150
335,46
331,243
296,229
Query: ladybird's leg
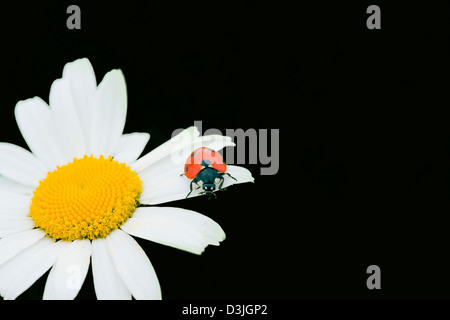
190,187
230,176
182,174
221,183
211,195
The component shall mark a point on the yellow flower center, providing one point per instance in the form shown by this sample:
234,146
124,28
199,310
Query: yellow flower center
85,199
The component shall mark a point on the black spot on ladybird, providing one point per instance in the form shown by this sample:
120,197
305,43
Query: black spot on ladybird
205,163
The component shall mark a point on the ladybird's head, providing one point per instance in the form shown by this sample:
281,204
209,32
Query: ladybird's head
209,188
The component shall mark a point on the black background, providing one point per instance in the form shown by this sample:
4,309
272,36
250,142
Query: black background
364,134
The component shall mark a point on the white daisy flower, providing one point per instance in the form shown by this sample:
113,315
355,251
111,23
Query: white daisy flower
76,195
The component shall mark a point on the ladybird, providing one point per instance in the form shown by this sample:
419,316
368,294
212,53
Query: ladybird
206,168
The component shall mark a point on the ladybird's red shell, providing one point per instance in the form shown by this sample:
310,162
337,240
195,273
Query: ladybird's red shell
201,157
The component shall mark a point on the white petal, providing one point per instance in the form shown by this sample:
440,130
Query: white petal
131,146
107,282
68,274
83,86
21,271
11,225
13,205
133,266
109,114
14,211
179,228
12,245
167,188
7,184
187,136
171,186
241,174
21,165
38,128
65,116
14,200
